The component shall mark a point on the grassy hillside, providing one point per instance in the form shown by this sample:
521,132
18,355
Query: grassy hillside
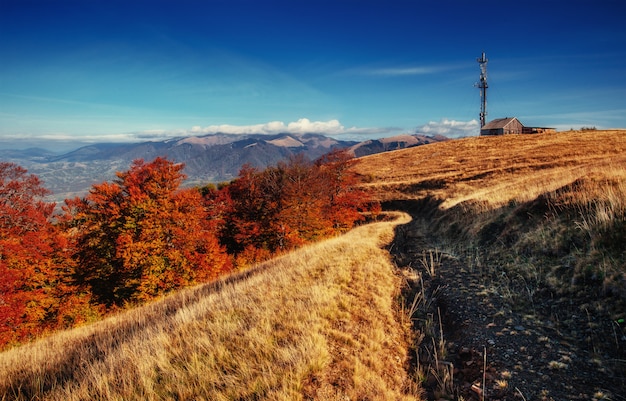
320,323
557,199
539,221
497,169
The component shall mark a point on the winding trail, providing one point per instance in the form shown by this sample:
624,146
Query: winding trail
529,355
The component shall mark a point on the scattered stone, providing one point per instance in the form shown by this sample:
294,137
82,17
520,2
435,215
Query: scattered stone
476,388
533,357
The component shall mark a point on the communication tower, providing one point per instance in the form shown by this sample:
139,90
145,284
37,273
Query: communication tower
482,85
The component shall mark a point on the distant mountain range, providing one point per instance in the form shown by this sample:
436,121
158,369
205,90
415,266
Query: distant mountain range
209,158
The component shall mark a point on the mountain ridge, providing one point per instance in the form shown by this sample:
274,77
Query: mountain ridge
208,158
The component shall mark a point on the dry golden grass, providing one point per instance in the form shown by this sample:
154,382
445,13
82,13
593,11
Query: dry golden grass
552,207
540,220
319,323
497,169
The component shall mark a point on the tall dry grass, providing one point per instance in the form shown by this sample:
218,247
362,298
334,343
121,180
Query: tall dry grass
549,207
493,170
593,209
319,323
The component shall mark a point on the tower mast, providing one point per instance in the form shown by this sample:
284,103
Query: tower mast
482,85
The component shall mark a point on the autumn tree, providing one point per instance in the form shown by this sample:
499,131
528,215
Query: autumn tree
36,291
142,236
248,213
345,200
303,201
292,203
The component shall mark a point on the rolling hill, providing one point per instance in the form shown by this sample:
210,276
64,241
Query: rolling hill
528,236
319,323
511,274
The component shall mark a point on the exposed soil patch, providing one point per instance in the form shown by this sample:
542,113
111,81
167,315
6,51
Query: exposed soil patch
500,346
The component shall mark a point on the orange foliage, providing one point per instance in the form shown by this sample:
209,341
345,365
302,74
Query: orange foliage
142,236
290,204
345,200
36,293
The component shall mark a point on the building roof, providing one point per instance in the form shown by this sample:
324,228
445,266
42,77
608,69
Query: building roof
499,123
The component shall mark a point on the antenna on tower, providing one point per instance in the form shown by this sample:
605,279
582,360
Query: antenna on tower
482,85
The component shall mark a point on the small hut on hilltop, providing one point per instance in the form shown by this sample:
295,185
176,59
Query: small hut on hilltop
501,126
511,125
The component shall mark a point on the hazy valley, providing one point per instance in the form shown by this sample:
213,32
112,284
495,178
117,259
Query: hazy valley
211,158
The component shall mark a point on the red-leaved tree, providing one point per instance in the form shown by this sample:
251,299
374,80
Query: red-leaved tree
142,236
345,201
287,205
36,290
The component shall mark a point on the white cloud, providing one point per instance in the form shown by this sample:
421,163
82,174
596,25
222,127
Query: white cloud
301,126
332,128
400,71
450,128
272,127
65,141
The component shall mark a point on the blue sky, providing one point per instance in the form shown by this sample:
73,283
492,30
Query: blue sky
96,70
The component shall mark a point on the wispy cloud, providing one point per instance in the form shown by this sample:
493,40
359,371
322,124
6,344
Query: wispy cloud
406,70
450,128
47,99
332,128
601,119
301,126
402,71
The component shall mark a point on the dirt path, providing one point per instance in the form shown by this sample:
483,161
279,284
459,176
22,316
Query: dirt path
536,349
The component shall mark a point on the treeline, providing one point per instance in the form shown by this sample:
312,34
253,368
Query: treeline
143,235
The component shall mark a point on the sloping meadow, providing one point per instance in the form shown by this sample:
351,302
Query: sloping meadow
319,323
544,214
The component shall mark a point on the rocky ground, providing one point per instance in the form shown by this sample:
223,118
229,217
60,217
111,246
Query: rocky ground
502,346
